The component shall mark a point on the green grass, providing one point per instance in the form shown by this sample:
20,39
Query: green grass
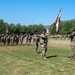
21,60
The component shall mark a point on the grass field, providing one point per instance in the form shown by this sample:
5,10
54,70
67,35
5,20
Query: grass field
21,60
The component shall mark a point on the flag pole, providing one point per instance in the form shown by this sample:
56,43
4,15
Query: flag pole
51,29
55,21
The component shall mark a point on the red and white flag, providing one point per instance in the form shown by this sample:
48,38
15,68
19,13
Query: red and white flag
57,22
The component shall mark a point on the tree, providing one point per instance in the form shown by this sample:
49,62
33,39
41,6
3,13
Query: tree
2,26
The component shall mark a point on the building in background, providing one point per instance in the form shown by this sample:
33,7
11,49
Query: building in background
47,29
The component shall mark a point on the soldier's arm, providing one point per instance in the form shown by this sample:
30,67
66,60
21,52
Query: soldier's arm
42,36
47,38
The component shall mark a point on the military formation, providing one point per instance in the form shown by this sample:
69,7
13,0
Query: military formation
36,40
15,39
27,39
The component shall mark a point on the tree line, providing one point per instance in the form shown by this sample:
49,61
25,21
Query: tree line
66,27
18,28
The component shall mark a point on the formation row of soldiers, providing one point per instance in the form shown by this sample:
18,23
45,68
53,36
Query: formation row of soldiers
15,39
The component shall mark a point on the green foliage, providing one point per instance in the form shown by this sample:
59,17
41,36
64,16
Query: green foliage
66,27
2,26
18,28
52,29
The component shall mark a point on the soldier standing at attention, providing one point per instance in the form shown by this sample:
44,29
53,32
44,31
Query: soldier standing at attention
21,39
29,39
73,45
33,39
43,42
26,39
37,39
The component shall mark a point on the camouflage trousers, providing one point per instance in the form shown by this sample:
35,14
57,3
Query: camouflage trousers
44,49
36,46
26,41
73,51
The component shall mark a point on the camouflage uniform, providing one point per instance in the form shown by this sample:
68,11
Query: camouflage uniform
36,42
12,39
17,39
26,39
8,39
33,39
21,39
43,42
4,40
73,46
29,39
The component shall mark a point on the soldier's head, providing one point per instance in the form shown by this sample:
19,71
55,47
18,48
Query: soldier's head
43,31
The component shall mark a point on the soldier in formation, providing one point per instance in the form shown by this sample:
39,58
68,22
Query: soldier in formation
37,39
73,45
15,39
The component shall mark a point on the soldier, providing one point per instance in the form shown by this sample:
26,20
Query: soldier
8,39
17,39
12,38
37,39
33,39
4,39
73,45
26,38
29,39
43,42
21,39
